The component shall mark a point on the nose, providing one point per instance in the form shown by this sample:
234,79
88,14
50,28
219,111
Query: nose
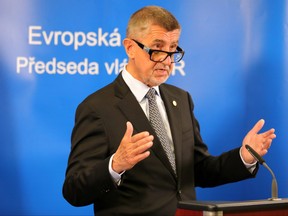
168,60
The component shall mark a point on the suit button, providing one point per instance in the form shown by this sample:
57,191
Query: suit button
179,195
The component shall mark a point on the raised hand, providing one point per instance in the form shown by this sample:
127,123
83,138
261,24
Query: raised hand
132,149
260,142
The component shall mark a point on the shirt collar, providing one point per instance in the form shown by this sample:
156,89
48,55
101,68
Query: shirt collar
138,88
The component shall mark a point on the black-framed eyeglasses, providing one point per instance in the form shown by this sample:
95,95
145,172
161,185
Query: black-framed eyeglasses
160,55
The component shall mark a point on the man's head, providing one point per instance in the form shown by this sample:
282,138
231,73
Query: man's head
152,28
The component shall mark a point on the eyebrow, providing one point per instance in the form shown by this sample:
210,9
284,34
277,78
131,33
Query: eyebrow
162,41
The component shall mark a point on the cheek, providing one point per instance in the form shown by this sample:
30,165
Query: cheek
147,67
171,68
144,69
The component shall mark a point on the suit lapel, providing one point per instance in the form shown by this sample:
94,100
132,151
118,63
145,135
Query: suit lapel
130,107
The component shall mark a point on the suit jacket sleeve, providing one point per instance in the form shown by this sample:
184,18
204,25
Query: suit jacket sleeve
211,170
89,156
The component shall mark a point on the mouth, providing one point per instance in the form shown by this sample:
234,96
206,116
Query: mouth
161,71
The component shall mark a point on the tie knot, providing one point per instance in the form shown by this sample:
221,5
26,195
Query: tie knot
151,93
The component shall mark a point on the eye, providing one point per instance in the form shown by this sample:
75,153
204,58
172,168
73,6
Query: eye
173,48
157,46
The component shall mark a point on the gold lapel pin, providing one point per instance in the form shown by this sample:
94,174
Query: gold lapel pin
174,103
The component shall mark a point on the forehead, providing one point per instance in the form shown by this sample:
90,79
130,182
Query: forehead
159,34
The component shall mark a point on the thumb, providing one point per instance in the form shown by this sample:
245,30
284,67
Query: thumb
129,131
257,127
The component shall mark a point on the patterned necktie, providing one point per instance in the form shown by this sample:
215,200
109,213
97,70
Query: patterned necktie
157,124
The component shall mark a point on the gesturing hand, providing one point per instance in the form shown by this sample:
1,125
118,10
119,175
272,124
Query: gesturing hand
132,149
260,142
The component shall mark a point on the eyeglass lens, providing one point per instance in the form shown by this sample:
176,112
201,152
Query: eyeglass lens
160,56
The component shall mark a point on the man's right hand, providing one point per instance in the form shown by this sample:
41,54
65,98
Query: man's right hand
132,149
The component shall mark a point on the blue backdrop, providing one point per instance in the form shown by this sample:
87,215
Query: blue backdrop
54,53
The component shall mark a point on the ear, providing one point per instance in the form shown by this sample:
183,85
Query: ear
129,46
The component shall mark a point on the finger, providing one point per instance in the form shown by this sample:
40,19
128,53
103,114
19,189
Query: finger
142,147
139,136
268,136
141,157
269,133
143,139
268,143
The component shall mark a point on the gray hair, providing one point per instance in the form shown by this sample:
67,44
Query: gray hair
141,21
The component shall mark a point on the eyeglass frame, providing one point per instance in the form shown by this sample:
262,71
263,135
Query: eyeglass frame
150,52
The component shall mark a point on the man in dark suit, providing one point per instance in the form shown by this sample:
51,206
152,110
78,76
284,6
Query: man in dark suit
118,160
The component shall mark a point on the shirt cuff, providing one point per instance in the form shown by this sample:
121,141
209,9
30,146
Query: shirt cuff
250,167
116,176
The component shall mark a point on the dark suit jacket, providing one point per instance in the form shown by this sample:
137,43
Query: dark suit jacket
150,187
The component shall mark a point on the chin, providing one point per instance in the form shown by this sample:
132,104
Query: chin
160,81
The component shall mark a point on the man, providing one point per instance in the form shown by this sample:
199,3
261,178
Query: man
118,161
